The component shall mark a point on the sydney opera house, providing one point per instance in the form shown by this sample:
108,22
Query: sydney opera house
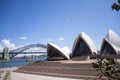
84,46
111,43
56,53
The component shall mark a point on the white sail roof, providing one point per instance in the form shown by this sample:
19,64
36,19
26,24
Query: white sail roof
87,40
112,39
63,52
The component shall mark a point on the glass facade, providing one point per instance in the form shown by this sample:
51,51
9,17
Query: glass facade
55,54
81,48
107,49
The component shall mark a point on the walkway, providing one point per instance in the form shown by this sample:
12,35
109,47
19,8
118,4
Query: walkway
23,76
58,69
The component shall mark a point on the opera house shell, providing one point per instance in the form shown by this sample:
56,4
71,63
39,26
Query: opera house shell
54,52
83,45
111,43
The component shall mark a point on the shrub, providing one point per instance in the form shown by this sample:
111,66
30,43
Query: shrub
7,76
107,67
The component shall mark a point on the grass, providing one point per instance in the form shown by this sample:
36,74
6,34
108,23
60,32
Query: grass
7,76
3,60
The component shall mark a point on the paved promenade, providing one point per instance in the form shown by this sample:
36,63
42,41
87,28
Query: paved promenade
23,76
66,69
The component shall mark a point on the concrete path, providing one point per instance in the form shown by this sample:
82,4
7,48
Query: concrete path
23,76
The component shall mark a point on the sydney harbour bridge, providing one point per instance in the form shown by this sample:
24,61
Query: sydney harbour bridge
28,49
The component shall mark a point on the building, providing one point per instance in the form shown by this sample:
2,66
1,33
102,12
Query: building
54,52
83,46
111,43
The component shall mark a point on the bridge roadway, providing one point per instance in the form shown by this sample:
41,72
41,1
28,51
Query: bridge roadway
30,53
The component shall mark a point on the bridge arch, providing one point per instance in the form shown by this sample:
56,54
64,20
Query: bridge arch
19,50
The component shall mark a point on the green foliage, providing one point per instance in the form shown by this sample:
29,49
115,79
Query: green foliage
116,6
2,58
7,76
95,65
107,67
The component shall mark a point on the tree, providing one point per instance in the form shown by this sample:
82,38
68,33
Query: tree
107,67
116,6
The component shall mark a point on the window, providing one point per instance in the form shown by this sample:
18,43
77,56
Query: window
108,49
81,48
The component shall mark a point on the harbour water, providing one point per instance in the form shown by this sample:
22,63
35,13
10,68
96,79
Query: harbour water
18,62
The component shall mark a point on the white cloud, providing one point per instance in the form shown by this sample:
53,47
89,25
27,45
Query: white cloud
61,39
23,38
7,43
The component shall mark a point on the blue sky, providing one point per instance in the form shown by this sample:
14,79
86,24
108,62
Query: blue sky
57,21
